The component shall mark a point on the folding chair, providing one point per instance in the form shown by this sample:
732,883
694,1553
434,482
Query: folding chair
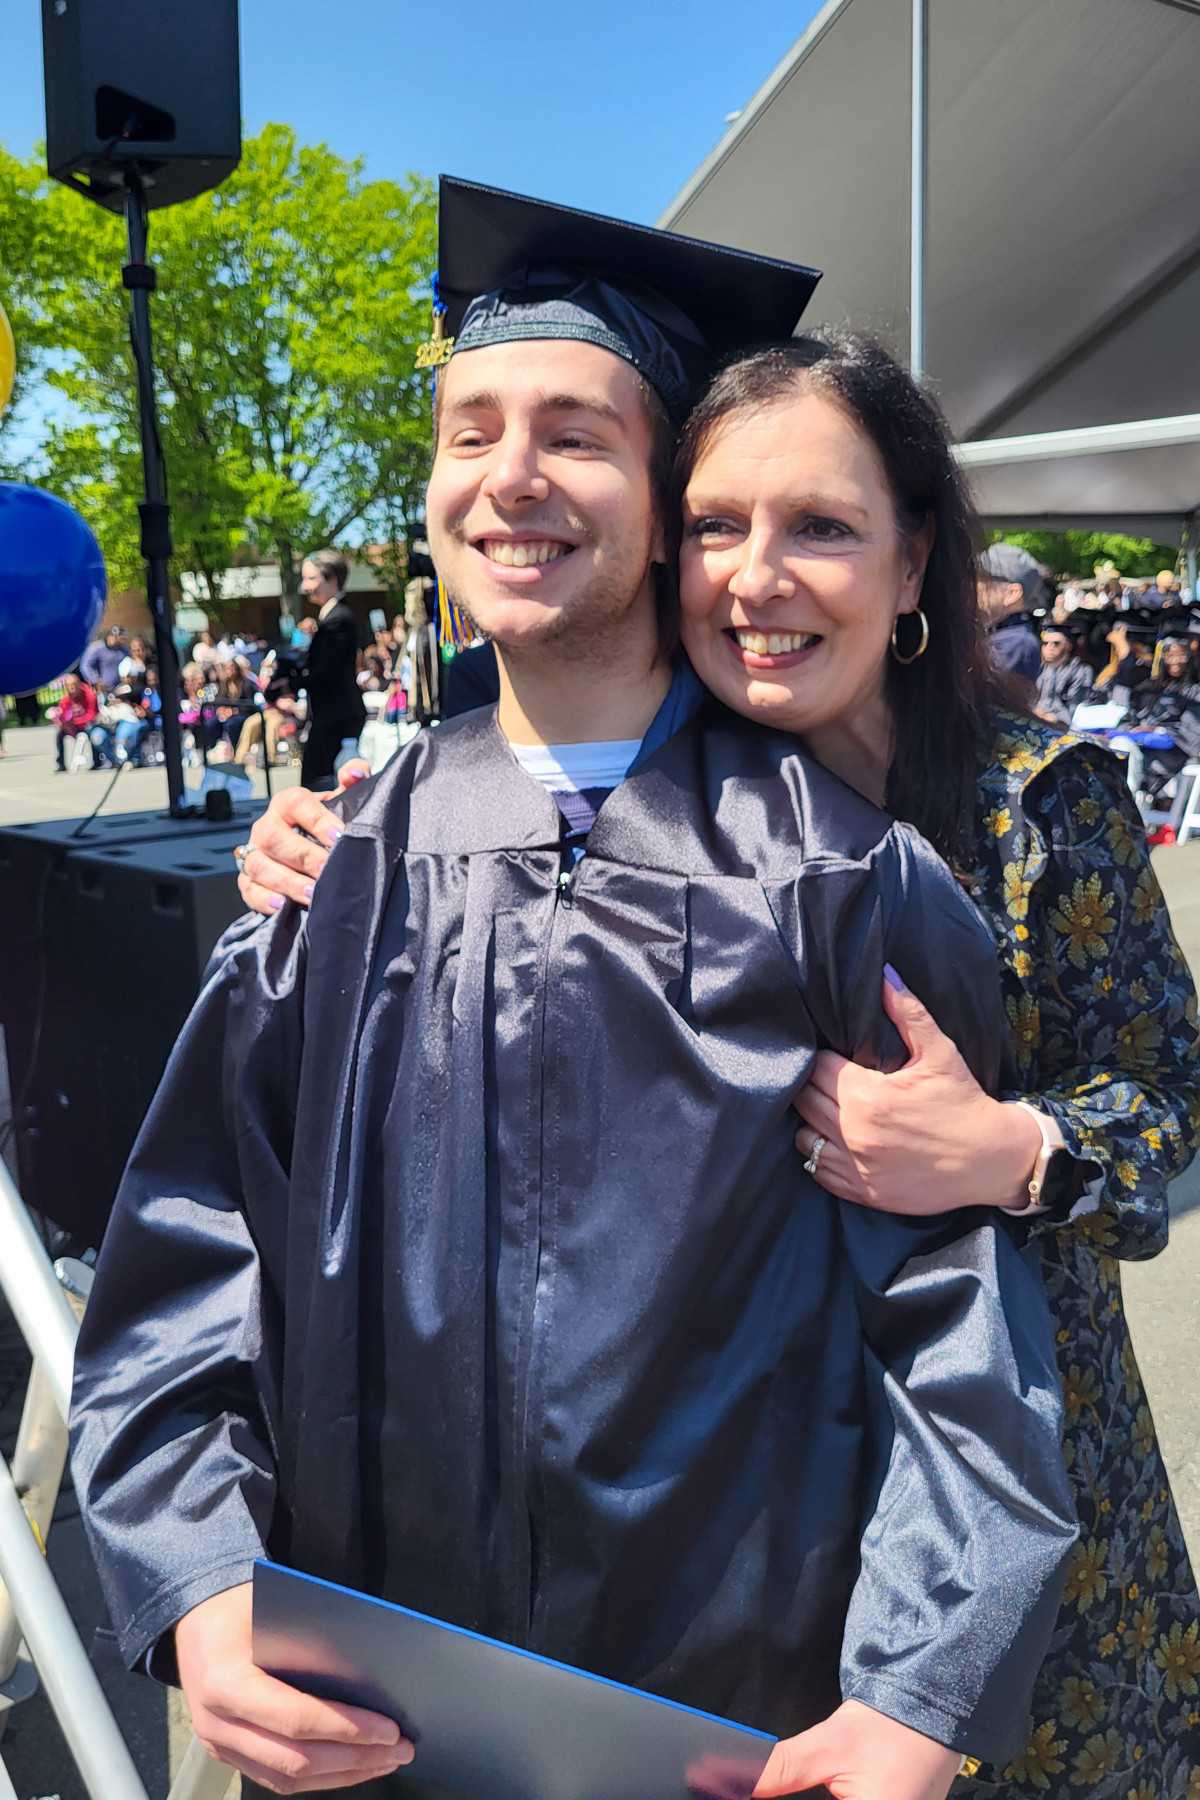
1185,814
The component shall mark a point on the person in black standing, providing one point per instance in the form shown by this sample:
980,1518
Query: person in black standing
335,704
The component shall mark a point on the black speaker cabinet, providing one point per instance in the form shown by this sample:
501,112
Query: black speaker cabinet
105,939
151,82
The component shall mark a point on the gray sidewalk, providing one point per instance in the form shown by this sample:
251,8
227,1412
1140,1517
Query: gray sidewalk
1163,1299
30,788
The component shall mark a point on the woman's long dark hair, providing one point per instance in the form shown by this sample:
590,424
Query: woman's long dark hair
942,703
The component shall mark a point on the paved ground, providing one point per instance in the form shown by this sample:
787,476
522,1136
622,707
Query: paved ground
30,789
1163,1299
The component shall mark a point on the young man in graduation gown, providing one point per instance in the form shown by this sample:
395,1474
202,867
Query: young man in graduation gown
465,1257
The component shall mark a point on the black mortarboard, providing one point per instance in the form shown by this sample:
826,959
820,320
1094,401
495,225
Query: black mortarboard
1173,626
1139,622
510,268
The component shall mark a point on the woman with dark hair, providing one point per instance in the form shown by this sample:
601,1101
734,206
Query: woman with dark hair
816,612
900,700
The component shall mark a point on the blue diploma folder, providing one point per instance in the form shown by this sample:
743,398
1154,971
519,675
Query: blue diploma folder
491,1722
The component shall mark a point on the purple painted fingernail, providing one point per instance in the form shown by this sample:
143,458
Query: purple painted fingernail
275,900
353,775
309,891
892,979
333,834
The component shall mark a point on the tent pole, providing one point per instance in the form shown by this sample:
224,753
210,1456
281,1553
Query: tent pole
918,188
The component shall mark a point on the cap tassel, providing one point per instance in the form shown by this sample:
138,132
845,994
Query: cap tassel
454,628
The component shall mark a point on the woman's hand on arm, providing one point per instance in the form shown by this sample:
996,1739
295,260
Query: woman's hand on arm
282,863
860,1754
924,1139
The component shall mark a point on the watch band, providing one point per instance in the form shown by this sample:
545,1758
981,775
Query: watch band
1052,1143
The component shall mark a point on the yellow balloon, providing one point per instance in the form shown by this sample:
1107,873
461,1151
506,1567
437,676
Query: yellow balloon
8,359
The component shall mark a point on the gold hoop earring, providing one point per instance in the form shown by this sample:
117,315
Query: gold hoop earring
921,647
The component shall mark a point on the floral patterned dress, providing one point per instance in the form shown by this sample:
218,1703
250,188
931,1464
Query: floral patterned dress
1103,1017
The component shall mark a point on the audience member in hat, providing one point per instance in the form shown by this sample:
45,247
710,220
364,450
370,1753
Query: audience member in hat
1064,679
1009,583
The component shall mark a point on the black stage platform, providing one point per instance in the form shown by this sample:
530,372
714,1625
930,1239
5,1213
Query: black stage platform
103,941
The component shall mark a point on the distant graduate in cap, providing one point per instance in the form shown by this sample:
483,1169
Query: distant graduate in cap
1131,638
1173,689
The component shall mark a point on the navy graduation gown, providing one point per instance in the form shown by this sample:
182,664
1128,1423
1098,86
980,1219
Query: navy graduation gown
465,1256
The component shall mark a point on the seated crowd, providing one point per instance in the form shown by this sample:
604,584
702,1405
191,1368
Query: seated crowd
1135,645
235,693
1130,647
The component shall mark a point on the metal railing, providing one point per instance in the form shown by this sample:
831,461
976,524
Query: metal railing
47,1301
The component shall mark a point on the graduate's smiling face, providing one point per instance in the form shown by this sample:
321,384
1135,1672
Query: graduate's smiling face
793,568
540,508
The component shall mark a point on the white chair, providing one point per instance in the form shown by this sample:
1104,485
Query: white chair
1186,811
80,753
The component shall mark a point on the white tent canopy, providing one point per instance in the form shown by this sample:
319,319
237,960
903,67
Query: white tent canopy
1062,265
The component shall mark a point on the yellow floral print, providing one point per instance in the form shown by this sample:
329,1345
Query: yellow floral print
1086,920
1041,1759
1136,1039
1079,1703
1102,1021
1120,835
1086,1579
1178,1656
1098,1756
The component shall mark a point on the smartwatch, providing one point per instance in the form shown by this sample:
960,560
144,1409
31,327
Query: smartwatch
1058,1178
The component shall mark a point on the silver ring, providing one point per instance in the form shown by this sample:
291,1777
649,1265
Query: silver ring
239,856
814,1156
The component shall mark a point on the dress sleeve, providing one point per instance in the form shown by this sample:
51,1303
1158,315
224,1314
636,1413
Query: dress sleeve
964,1551
172,1417
1105,1027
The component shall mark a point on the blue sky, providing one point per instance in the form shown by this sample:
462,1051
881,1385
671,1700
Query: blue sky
607,104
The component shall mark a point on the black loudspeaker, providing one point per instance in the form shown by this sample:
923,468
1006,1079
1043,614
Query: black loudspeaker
105,940
151,83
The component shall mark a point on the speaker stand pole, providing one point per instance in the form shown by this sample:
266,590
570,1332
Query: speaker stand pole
140,278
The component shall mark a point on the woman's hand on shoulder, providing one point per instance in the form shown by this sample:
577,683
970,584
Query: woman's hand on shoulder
290,844
924,1139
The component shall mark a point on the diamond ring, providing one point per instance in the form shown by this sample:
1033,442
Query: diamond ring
814,1157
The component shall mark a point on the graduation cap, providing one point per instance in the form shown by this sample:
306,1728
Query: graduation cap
511,268
1175,629
1138,622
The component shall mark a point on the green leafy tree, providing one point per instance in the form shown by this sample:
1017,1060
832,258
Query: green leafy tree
289,307
1078,552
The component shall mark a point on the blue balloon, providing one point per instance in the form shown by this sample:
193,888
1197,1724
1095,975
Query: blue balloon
52,587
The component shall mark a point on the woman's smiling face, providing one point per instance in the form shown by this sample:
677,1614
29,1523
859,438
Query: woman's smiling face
792,566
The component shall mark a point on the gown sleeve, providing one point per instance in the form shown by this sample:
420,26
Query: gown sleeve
173,1452
1106,1027
964,1552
